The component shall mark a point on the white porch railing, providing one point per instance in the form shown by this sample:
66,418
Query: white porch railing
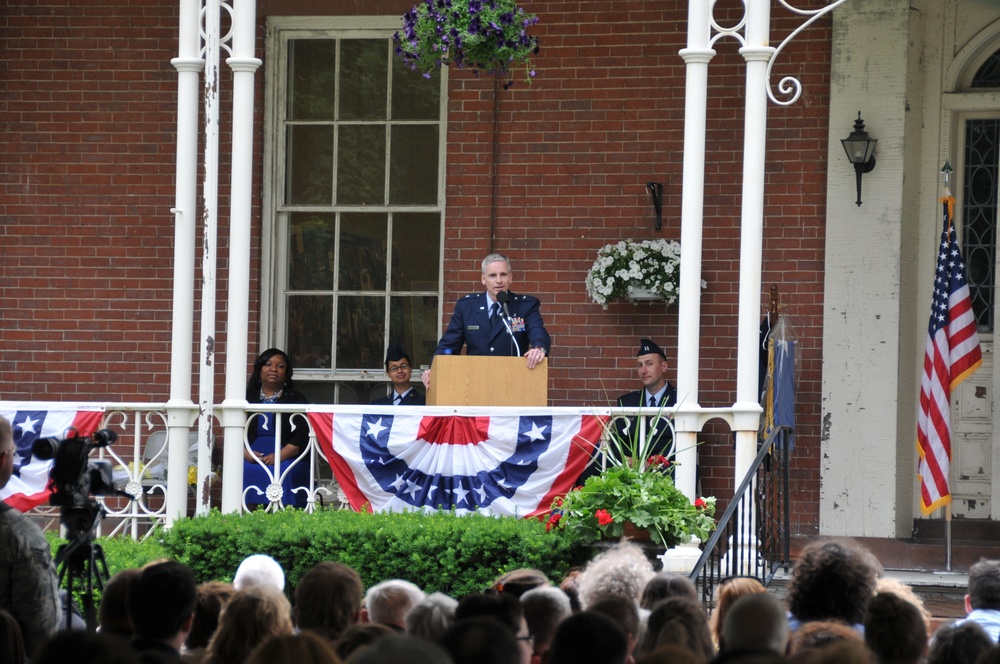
139,459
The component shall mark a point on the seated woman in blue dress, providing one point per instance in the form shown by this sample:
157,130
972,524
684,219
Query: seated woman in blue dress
271,382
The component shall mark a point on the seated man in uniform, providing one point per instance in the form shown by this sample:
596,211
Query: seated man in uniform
399,367
656,392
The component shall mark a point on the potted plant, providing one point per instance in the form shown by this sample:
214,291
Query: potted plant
634,489
636,270
483,35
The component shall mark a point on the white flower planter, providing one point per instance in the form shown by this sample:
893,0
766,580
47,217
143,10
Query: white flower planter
642,295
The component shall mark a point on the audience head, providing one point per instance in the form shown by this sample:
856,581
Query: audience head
833,580
959,643
678,621
250,617
212,597
853,651
12,643
755,622
304,648
328,599
482,640
544,608
569,586
895,630
624,612
432,617
622,570
671,655
389,602
984,585
821,633
520,581
503,607
588,637
667,584
161,601
83,646
259,570
727,593
359,636
112,615
400,649
887,584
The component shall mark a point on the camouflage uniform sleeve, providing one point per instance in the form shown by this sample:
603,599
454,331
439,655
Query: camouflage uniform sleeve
31,588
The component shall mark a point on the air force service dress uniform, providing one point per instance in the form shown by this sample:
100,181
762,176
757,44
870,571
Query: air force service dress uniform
411,398
471,325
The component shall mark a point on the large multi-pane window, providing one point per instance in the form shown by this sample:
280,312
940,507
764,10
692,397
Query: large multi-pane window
358,204
981,174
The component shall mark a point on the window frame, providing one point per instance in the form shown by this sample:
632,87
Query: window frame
275,211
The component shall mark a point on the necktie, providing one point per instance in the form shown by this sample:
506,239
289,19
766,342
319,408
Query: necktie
397,399
652,402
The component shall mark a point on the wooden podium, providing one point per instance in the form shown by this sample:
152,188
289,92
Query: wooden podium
474,380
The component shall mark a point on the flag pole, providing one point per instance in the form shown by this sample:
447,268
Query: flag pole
946,172
947,537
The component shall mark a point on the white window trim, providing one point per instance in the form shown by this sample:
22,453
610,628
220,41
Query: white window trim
278,31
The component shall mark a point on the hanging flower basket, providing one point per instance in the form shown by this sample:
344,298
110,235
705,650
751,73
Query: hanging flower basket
636,271
483,35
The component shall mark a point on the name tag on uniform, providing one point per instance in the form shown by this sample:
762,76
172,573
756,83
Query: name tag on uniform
472,327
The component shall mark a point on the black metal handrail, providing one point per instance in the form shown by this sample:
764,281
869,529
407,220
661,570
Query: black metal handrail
752,537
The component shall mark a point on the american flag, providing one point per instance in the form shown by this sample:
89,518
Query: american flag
952,354
505,465
28,486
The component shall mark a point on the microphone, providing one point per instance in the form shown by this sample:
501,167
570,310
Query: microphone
503,297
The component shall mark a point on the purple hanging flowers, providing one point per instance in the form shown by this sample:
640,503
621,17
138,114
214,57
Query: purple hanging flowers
483,35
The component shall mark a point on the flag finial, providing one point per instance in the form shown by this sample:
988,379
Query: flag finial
946,172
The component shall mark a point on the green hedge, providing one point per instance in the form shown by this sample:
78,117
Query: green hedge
439,551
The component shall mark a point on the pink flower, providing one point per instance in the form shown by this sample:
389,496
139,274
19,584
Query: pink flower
603,517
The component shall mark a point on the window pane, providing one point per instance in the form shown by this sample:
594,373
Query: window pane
414,323
979,215
363,79
414,165
416,245
310,331
361,165
311,242
413,96
360,332
363,246
310,164
312,69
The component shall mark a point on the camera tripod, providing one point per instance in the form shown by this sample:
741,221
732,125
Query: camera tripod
81,561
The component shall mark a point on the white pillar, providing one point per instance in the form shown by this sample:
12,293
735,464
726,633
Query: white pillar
696,58
180,408
747,410
244,65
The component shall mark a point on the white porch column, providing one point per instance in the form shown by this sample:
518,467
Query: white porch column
244,65
180,409
696,57
757,52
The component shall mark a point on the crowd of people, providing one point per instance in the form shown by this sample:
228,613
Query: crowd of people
839,607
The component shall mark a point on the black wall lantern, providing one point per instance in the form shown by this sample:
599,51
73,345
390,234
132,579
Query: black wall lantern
860,148
655,190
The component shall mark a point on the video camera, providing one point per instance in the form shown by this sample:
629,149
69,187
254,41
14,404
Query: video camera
74,477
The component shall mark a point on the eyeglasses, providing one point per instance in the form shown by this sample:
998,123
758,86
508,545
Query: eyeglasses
399,367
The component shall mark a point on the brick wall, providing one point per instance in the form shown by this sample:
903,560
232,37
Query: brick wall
88,99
